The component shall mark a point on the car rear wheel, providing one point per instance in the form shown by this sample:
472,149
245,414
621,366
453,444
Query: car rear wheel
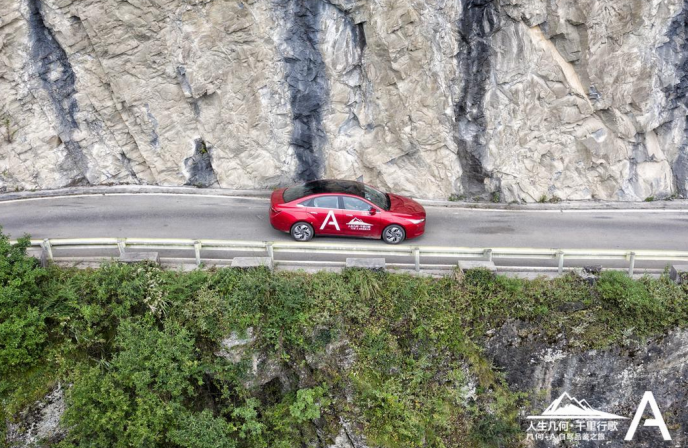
302,231
393,234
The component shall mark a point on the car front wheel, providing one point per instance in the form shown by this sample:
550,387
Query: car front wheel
302,231
393,234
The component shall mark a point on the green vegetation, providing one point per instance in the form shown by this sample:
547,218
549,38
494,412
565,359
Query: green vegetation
8,133
553,200
496,197
135,349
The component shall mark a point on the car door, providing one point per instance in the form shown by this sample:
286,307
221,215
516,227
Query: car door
325,212
358,219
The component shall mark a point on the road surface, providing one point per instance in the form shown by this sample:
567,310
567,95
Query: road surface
183,216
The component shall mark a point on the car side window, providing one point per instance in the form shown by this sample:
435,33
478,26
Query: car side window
325,202
306,203
355,204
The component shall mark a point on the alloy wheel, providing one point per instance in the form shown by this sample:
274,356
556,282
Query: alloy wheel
302,232
394,235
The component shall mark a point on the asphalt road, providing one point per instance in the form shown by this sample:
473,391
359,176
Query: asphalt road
180,216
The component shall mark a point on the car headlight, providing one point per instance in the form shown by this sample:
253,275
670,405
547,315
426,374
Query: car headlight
417,221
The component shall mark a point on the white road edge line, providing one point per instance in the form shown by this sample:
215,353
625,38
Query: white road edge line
133,194
624,210
462,209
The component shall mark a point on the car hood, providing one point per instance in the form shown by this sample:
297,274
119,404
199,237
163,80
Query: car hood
401,204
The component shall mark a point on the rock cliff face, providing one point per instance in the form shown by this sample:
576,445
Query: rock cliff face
614,379
529,98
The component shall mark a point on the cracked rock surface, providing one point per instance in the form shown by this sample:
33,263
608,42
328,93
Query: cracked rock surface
613,379
576,100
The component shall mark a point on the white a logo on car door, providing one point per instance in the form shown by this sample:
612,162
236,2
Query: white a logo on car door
330,219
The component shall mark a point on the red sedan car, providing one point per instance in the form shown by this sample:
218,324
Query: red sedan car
345,208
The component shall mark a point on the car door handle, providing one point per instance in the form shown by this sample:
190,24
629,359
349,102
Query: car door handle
313,213
350,215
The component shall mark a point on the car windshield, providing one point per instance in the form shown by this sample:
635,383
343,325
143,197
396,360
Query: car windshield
376,197
337,186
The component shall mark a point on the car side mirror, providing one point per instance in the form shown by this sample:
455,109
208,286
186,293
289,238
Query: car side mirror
372,211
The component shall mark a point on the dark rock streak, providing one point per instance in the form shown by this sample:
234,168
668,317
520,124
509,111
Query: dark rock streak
51,65
676,50
200,166
479,21
307,80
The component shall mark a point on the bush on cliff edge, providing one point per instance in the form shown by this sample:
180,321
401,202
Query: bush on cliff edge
138,346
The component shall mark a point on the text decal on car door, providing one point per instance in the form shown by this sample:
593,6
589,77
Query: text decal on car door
330,216
357,224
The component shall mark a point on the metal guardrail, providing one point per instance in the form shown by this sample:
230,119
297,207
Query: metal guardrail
271,249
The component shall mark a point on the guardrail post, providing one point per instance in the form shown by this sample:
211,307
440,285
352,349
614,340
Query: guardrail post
271,252
197,250
46,252
631,264
560,257
416,257
488,254
121,245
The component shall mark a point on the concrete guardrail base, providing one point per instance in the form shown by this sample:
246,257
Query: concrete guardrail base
367,263
138,257
252,262
468,265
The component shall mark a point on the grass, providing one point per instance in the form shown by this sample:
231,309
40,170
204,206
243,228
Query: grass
138,346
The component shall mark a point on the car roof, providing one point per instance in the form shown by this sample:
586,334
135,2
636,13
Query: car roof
323,187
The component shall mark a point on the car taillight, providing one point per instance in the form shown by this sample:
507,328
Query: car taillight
274,210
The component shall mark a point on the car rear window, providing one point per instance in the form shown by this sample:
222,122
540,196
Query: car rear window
297,192
325,202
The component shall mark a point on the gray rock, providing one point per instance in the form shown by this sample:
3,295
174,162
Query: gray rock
348,437
234,347
338,354
570,100
39,423
593,269
612,380
589,273
263,368
679,273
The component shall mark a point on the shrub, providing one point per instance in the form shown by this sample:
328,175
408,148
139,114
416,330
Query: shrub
202,430
139,396
400,355
23,332
631,299
308,403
